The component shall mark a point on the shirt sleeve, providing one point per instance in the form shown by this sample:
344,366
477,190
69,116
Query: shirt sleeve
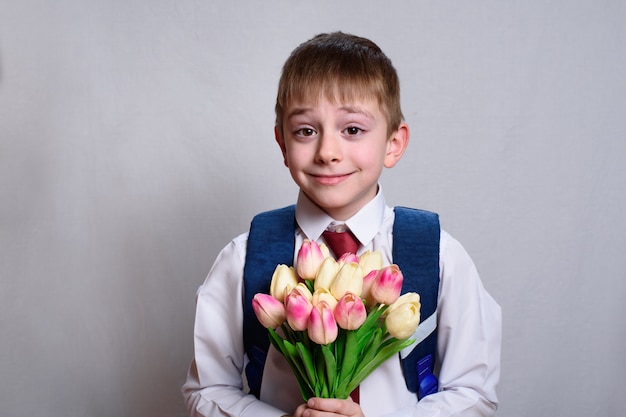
214,385
468,341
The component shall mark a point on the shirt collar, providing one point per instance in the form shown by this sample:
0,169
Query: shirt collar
365,224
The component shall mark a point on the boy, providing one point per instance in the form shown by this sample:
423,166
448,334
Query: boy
338,123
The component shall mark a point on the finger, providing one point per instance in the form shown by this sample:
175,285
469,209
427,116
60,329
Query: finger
300,410
332,405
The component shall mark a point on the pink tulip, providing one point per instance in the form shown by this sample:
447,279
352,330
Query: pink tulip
350,312
298,307
366,292
322,325
310,258
269,311
347,258
388,284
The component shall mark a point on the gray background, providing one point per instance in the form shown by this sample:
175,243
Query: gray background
136,139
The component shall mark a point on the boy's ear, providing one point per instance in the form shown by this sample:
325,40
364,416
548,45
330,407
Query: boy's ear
396,145
281,144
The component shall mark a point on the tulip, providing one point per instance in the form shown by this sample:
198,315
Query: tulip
309,260
326,274
298,307
325,250
370,261
323,294
283,280
350,312
322,325
348,279
366,291
347,258
403,317
269,311
387,286
304,290
409,297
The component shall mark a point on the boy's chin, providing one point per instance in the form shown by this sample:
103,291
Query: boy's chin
338,211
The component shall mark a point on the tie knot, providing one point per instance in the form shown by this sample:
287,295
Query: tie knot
341,241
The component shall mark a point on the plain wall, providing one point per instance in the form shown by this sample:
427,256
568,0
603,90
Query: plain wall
136,139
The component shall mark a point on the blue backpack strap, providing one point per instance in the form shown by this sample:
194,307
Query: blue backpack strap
416,235
271,241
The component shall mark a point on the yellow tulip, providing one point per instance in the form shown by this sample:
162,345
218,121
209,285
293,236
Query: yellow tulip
303,290
325,250
370,261
326,274
283,280
403,316
323,294
348,279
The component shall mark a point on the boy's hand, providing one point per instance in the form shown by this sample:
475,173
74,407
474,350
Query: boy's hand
329,407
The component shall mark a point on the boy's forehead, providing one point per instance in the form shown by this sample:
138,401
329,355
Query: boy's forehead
354,104
315,93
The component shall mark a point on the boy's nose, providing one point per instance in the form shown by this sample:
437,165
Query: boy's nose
329,149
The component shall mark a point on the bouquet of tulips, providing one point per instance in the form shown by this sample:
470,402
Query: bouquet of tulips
335,321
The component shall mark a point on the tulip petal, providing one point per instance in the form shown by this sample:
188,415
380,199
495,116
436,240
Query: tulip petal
309,260
388,285
370,261
322,325
283,280
348,279
326,274
298,307
402,321
269,311
350,312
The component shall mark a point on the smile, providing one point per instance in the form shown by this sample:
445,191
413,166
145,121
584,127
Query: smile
330,179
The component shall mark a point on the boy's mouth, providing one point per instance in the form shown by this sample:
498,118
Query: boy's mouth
330,179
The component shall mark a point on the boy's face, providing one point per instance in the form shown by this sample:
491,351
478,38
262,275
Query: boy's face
335,152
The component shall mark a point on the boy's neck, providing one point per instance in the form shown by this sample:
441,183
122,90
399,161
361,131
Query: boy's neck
364,224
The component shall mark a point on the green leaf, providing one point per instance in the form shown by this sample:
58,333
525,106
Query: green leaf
289,351
307,361
331,368
382,355
339,345
320,369
349,357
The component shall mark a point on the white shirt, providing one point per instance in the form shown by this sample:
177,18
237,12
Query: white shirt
468,342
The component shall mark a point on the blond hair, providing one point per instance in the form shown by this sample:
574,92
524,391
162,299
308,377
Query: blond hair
340,66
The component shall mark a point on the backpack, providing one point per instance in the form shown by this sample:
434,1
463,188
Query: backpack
416,233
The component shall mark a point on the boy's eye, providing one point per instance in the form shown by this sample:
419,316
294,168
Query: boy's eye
305,131
352,130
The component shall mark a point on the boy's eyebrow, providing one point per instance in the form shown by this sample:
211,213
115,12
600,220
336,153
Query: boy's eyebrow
347,108
297,111
357,110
